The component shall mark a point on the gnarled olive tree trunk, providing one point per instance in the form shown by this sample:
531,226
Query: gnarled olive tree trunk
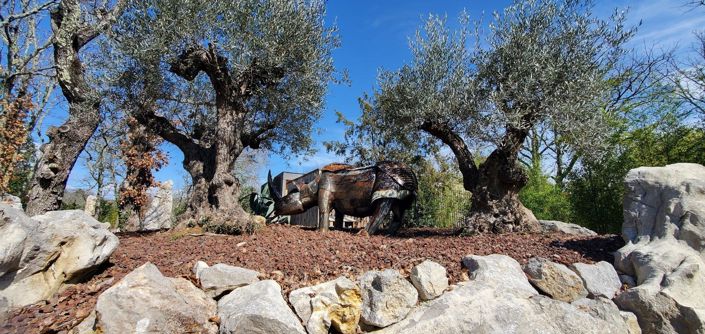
71,33
494,184
495,204
216,191
215,195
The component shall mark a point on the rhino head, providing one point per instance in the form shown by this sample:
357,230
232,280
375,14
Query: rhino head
298,200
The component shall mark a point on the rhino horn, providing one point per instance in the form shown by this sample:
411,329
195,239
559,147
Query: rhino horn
276,196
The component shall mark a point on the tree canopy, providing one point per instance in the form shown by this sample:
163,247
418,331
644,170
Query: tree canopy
275,54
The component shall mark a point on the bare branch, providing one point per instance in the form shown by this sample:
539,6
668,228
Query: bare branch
14,17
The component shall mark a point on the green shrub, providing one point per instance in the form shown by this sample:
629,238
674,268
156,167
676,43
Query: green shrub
597,188
545,199
108,212
442,201
596,193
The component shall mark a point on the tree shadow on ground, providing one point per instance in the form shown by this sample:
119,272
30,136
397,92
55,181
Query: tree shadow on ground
137,233
403,233
423,232
86,276
599,248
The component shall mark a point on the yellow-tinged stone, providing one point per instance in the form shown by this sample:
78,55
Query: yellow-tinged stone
345,314
335,304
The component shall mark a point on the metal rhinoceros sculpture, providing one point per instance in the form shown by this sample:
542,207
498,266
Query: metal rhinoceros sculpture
358,192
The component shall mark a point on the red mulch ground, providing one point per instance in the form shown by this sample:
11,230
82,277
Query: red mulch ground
296,258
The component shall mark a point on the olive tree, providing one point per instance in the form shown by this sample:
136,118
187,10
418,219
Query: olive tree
74,25
216,77
540,63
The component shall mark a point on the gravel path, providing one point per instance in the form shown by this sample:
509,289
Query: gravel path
297,257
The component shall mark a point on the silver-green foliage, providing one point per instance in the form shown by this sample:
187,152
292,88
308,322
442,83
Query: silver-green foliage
286,35
540,61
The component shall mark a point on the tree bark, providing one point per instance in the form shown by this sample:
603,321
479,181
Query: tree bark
465,158
215,195
495,204
67,141
494,185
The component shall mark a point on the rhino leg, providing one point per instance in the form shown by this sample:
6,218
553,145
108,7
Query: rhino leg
381,212
339,216
323,210
398,214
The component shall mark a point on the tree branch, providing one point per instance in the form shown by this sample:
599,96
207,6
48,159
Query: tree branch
514,137
165,129
196,59
258,76
105,20
27,13
465,159
255,137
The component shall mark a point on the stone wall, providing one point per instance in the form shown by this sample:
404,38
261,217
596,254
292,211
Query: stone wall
500,297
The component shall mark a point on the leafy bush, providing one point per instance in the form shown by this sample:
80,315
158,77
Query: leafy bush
181,198
545,199
597,189
596,194
442,201
108,212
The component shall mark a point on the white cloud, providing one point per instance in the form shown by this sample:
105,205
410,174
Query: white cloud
665,23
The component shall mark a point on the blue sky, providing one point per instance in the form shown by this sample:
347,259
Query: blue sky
375,35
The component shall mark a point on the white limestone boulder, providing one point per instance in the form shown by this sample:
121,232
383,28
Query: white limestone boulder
90,207
666,203
632,322
600,279
498,299
555,280
257,308
499,272
145,301
39,255
605,309
222,278
11,200
553,226
430,279
664,227
159,214
14,226
198,267
669,296
301,298
387,297
341,313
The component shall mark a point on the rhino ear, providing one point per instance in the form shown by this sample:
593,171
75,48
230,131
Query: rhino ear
276,196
